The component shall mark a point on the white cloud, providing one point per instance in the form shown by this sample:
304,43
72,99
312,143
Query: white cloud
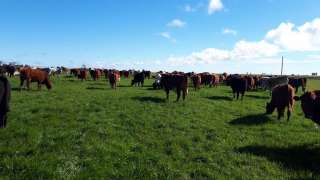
291,38
247,50
214,5
177,23
189,8
229,31
168,36
286,38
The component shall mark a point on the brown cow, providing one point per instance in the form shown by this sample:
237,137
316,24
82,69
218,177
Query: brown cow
34,75
5,95
175,81
250,83
310,103
83,74
215,80
196,81
114,77
282,97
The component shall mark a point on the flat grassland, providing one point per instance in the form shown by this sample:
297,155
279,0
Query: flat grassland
83,130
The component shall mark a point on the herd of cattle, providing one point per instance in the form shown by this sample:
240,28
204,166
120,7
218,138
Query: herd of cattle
282,88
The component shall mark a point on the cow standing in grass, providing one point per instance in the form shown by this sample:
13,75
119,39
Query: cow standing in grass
175,81
5,95
238,85
297,82
282,98
34,75
114,77
138,79
196,81
310,103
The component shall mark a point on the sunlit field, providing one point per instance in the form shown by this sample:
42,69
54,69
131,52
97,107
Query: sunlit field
88,130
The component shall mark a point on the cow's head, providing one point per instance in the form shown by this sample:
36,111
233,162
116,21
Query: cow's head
270,108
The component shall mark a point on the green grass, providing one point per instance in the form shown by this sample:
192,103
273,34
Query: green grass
85,129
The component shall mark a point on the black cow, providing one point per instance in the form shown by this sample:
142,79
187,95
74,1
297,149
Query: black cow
238,85
138,79
5,95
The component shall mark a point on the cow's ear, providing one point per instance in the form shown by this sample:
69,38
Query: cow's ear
297,98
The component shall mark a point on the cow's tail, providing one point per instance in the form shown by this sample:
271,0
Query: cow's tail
47,82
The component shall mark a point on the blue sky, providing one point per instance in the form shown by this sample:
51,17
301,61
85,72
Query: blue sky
235,36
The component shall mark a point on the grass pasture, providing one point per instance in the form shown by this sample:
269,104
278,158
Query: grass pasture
83,130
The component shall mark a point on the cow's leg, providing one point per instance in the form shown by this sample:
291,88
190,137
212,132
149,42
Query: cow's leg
3,120
242,94
289,113
28,84
21,83
178,93
184,93
280,113
167,93
39,85
238,93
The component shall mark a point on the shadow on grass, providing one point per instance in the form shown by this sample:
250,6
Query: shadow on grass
251,120
95,88
220,98
258,97
35,89
150,99
303,157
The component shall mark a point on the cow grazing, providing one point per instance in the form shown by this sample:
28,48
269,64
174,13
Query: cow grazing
238,85
34,75
196,81
138,79
282,98
297,82
175,81
5,95
114,77
310,103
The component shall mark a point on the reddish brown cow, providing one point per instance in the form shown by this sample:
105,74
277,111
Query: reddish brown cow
34,75
282,97
175,81
196,81
114,77
83,74
310,103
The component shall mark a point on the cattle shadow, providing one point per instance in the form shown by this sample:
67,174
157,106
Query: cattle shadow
257,97
220,98
149,99
30,90
301,157
96,88
252,120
